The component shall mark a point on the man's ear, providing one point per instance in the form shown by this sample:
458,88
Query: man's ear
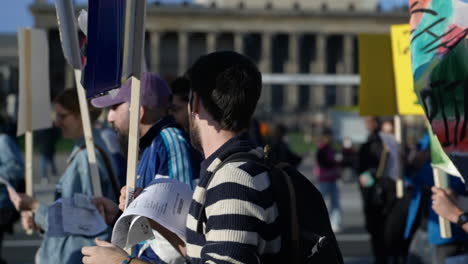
142,113
194,103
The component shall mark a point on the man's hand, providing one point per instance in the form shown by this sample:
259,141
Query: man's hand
123,196
23,202
103,253
27,221
175,240
108,208
444,206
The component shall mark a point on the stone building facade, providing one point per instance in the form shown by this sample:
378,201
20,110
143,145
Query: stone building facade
282,36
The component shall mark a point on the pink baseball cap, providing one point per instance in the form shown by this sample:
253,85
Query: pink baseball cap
154,93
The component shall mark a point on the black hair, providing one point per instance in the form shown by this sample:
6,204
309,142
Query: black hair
181,87
229,86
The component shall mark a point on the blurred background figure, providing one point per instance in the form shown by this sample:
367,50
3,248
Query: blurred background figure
75,179
328,173
11,170
279,148
348,160
370,157
388,127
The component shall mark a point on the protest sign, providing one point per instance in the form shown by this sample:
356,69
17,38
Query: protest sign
105,33
386,76
439,53
134,40
71,50
439,61
33,83
387,81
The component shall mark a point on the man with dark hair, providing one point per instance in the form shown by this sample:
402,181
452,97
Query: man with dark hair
164,149
240,222
180,96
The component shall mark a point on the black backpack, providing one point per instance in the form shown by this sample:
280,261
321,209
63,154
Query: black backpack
306,233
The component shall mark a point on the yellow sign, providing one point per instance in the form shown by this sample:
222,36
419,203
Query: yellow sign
407,102
377,90
386,75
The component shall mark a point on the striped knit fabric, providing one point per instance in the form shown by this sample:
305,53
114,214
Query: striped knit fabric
242,218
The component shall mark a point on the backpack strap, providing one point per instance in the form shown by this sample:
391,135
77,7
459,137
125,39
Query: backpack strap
236,157
290,239
382,161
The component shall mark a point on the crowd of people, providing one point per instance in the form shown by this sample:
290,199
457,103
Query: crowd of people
189,131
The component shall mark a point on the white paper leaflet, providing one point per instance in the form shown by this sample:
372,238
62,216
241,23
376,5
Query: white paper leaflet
166,202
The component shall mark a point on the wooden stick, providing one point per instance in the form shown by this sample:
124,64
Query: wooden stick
88,135
133,51
441,181
29,142
133,139
399,139
29,132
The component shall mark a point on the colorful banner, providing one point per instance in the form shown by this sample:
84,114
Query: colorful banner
439,51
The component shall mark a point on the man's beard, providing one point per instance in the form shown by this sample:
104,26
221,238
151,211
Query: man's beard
123,142
195,135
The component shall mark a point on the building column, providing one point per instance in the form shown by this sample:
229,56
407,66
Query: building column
292,67
319,66
345,93
183,52
239,42
211,42
265,67
155,51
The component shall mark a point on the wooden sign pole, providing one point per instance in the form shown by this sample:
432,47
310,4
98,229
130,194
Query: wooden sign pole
399,140
29,142
133,55
88,135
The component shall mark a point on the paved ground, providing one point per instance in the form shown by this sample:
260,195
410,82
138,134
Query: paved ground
354,242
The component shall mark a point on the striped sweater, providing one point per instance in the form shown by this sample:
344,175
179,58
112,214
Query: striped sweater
242,224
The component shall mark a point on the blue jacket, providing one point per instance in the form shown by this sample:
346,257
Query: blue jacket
75,179
11,167
165,152
424,177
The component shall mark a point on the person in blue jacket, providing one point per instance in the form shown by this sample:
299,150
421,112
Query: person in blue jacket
12,171
75,179
164,150
423,222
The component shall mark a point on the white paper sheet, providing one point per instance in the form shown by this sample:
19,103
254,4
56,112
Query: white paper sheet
68,32
75,216
166,202
40,85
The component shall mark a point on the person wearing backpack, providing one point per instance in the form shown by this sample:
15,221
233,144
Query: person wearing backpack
244,208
